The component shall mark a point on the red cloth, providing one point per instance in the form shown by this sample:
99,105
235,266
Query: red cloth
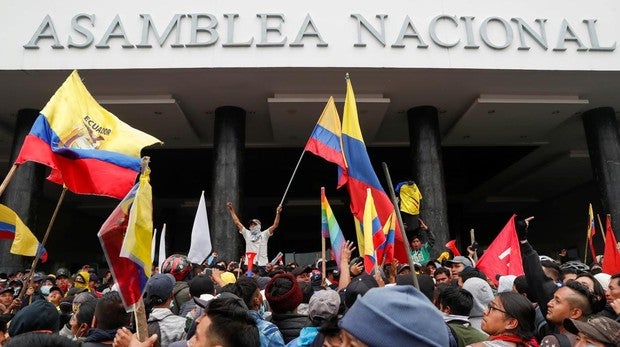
503,257
611,258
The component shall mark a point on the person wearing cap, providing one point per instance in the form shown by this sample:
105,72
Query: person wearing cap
7,301
302,273
457,265
62,279
54,296
34,290
93,283
421,245
594,332
168,326
255,239
323,305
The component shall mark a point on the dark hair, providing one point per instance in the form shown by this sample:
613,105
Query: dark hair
584,305
110,312
231,325
245,288
442,270
458,299
613,277
41,339
520,308
521,285
599,293
86,312
471,272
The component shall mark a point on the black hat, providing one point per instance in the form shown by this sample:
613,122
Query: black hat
301,270
7,290
358,286
39,315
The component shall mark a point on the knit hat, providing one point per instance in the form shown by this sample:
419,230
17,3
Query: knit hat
323,304
39,315
283,293
383,317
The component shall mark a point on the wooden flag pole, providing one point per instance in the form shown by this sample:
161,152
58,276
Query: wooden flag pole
598,216
323,265
8,178
44,241
139,313
292,176
401,225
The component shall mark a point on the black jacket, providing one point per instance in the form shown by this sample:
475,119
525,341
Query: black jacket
290,324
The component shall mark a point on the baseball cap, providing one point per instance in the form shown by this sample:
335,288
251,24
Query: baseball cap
160,286
459,259
600,328
301,270
7,290
323,304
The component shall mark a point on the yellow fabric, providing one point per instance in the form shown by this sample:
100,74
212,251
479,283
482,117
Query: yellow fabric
443,256
137,243
86,276
80,122
25,243
410,197
359,235
228,277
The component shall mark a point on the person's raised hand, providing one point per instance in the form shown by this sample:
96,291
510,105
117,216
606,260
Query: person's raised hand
347,249
521,225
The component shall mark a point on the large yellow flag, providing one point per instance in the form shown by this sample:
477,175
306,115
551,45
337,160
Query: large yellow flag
137,243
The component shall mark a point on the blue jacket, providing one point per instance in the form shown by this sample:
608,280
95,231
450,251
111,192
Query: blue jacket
269,334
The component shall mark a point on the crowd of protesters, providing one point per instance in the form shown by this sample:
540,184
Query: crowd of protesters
556,303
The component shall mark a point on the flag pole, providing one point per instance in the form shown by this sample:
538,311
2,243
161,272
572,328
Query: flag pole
598,216
8,178
139,310
401,225
323,265
292,176
37,256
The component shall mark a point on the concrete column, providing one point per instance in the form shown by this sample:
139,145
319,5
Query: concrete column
604,146
229,146
427,170
23,192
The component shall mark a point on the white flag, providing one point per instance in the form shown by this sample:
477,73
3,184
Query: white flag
200,248
162,247
153,241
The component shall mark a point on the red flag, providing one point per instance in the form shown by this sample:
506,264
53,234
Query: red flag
503,257
451,245
611,259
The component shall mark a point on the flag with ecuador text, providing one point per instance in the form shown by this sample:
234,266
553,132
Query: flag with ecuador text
503,257
126,241
24,241
330,227
325,139
359,174
89,150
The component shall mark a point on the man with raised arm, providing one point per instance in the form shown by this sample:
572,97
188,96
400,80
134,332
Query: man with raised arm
255,239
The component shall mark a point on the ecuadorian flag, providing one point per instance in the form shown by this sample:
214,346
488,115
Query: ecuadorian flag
88,148
325,139
24,241
126,241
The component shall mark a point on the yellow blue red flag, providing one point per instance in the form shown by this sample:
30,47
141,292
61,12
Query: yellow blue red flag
88,148
359,174
371,227
24,241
